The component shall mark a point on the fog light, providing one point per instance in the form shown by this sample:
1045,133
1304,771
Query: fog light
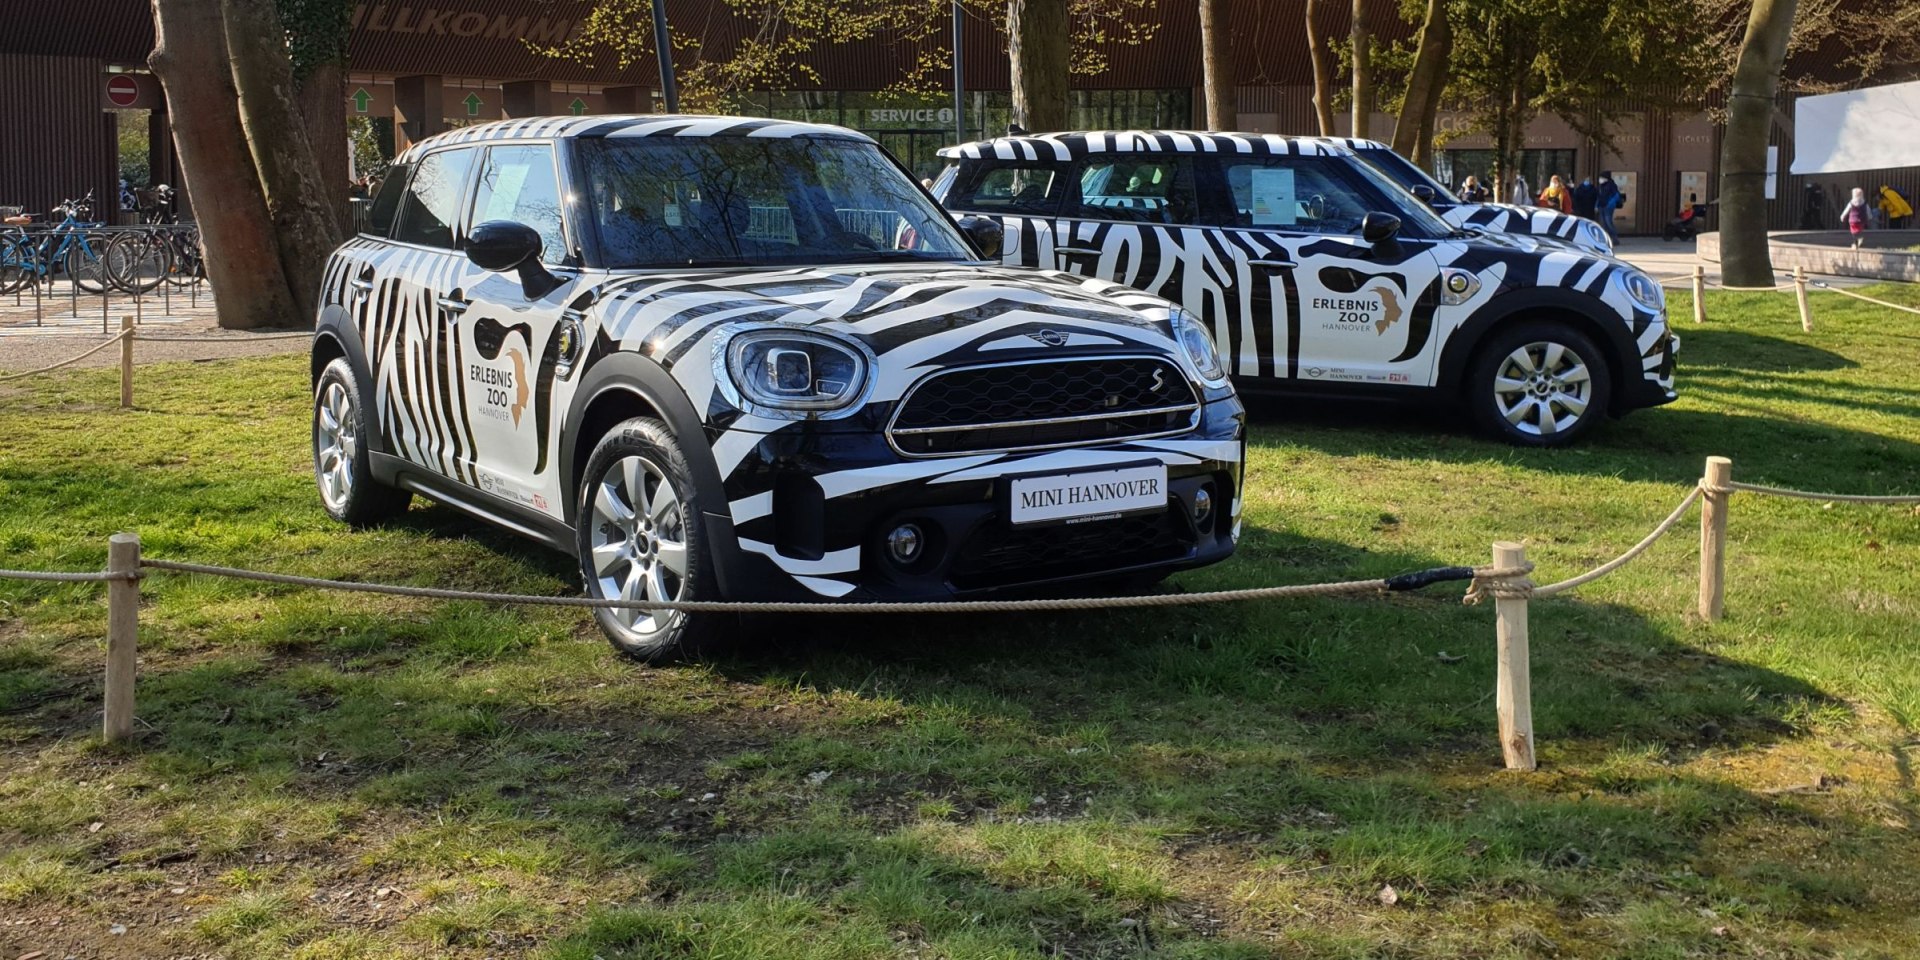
1202,505
905,543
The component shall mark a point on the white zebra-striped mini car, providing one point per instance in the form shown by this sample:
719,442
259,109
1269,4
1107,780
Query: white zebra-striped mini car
721,358
1315,272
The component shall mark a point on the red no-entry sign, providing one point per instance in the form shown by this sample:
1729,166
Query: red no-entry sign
122,91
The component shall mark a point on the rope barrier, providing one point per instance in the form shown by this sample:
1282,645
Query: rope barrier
256,338
1378,585
1733,485
1622,560
1823,285
116,338
59,576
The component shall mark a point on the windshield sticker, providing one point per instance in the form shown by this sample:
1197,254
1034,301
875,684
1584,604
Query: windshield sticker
1273,203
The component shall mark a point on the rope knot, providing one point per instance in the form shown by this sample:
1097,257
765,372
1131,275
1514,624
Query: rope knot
1501,583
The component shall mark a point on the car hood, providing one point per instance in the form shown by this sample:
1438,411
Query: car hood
1549,225
927,312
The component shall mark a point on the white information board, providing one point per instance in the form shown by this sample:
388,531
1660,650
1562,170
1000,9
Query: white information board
1857,130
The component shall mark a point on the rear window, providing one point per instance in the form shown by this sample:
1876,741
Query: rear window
386,200
1142,190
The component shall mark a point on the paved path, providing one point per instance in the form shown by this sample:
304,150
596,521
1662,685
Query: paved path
61,326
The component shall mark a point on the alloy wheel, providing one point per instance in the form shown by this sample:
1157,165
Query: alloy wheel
639,542
1542,388
336,444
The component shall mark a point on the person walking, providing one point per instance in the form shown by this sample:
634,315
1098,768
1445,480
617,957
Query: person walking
1899,212
1471,191
1556,196
1609,200
1522,194
1857,215
1584,198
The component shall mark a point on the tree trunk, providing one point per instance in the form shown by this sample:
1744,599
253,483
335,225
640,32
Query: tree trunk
1424,85
1322,57
1216,58
306,229
243,262
1744,259
320,102
1362,41
1038,35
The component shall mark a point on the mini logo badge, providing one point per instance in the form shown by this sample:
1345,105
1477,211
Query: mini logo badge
1051,338
1316,372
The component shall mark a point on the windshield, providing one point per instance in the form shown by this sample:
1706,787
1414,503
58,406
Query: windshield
1403,172
1413,211
748,201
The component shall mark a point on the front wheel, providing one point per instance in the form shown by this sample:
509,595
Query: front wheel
639,538
1539,384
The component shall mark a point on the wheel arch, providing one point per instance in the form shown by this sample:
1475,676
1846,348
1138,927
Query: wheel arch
1611,333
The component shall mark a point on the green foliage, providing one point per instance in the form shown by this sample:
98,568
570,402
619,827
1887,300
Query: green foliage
316,33
134,163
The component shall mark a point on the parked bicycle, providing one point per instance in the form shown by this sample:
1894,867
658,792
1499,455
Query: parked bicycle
76,246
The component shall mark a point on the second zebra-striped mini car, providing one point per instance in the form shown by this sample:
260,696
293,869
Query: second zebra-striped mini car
1315,272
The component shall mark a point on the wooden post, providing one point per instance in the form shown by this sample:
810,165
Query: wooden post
1699,294
126,362
1513,689
1800,293
1713,537
123,625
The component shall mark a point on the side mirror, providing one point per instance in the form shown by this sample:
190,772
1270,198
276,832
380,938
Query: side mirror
986,233
1379,229
1425,193
502,245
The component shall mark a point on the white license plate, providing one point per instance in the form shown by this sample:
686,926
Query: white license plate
1091,495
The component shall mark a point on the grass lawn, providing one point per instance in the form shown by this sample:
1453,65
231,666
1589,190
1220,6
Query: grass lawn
324,775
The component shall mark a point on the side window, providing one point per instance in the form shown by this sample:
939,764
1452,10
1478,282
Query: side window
518,183
386,201
1306,194
1032,189
432,203
1138,189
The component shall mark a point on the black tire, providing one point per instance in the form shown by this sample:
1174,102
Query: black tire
1570,381
342,464
626,543
86,262
138,261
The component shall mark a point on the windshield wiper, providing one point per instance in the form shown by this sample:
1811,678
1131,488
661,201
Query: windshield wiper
890,256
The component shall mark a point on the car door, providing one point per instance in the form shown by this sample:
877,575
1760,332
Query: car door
1316,301
1129,217
508,343
409,339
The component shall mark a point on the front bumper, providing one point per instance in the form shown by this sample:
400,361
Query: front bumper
809,511
1654,386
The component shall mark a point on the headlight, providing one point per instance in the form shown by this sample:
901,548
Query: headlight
1198,344
1642,290
796,370
1594,236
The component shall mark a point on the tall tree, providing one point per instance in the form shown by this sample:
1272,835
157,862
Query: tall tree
317,33
1320,52
243,262
1744,260
306,228
1216,60
1360,39
1426,84
1038,52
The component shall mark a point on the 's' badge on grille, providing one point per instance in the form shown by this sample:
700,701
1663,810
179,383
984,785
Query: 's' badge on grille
1052,338
1159,380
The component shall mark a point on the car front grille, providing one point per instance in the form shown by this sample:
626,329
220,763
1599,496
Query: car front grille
1044,403
998,556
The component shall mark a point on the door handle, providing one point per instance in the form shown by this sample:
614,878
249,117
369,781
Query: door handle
361,285
453,303
1093,251
1273,264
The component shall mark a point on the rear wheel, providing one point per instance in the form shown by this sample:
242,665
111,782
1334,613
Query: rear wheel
1539,384
342,464
86,262
639,538
137,261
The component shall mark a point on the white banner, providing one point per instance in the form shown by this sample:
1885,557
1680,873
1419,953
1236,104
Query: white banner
1868,129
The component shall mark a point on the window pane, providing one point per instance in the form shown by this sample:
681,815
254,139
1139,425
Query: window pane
518,183
433,199
1151,190
666,201
1014,189
386,202
1293,194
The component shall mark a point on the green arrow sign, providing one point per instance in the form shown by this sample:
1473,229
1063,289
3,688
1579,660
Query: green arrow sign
473,104
360,100
578,106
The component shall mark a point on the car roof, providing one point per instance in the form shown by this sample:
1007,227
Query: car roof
1069,146
1355,144
630,125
